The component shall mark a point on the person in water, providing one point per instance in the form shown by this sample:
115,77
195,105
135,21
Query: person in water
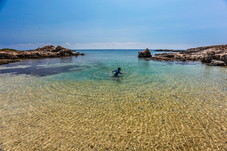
117,71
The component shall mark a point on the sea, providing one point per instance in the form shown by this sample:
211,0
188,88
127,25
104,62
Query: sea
75,103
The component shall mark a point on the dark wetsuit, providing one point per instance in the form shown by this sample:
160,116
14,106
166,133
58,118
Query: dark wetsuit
117,72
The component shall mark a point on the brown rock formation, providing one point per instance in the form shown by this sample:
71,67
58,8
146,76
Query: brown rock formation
145,53
44,52
204,54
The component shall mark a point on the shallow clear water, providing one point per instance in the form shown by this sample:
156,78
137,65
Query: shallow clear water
75,103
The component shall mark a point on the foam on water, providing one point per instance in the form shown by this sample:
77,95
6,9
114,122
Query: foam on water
76,104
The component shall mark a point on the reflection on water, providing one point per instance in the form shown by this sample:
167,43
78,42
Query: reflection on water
42,67
43,71
153,106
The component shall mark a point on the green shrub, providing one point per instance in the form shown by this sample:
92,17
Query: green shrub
8,49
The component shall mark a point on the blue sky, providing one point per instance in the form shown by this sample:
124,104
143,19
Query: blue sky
85,24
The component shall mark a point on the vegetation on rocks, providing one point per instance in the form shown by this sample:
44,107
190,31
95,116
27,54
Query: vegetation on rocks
8,49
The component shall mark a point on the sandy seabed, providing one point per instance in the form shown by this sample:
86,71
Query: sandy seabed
37,114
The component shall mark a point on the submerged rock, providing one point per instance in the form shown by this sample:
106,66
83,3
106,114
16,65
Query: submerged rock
3,61
145,53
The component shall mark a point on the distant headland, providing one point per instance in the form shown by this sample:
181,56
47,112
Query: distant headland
169,50
11,55
214,55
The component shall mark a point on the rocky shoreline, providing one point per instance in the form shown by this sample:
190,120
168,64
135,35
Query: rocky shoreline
10,55
213,55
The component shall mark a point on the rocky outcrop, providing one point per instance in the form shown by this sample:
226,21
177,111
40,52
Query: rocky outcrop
44,52
215,55
145,53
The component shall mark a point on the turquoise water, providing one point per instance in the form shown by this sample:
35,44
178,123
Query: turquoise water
75,103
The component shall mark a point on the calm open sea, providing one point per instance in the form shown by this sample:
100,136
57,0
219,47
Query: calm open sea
75,103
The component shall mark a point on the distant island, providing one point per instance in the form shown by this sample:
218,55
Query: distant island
169,50
214,55
11,55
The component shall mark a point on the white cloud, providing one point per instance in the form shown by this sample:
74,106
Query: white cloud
107,45
67,44
34,45
128,45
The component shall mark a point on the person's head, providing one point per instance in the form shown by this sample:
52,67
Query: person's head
119,69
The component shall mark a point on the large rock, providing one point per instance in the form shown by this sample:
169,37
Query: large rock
223,57
8,55
217,63
59,48
64,52
207,58
145,53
